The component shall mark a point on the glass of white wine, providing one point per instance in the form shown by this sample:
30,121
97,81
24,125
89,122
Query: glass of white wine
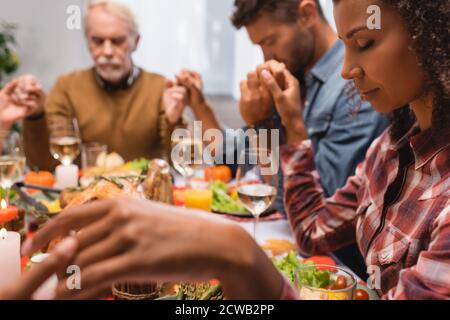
12,162
186,157
257,181
65,141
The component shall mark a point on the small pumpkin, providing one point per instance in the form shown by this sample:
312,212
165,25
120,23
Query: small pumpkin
222,173
40,178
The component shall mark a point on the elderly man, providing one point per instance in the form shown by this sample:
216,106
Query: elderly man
115,102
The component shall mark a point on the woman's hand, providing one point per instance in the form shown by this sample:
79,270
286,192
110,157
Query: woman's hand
39,274
285,90
139,241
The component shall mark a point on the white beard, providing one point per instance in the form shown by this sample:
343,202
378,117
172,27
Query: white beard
111,75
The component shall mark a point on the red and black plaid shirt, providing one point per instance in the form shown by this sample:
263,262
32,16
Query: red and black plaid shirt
396,207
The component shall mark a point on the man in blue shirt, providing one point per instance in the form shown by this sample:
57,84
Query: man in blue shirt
296,33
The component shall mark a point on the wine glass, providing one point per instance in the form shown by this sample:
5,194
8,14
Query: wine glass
186,156
65,141
12,162
257,181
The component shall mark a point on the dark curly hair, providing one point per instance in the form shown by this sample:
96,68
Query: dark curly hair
286,10
428,24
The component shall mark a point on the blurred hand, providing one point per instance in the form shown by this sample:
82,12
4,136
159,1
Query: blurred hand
192,81
10,112
135,240
21,98
175,101
285,90
39,274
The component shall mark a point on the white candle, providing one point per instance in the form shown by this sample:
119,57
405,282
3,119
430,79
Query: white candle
9,257
66,176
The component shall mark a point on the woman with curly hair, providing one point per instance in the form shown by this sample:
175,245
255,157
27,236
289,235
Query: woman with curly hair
396,207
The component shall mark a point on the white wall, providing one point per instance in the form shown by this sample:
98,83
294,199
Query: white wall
176,34
195,34
46,47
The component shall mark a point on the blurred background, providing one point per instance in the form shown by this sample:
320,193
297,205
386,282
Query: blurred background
176,34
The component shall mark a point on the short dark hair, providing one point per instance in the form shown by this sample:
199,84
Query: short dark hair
247,11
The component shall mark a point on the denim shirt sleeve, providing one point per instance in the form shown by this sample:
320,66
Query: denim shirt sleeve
341,140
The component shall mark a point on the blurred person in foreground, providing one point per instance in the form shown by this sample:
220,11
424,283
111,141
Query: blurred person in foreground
115,102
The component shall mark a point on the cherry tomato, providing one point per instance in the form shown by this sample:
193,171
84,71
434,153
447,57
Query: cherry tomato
341,283
361,295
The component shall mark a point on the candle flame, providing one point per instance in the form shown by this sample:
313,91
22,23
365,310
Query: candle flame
3,204
3,234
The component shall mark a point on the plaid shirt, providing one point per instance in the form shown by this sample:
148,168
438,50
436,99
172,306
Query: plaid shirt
396,207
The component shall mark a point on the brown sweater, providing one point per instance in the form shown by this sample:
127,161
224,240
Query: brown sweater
131,122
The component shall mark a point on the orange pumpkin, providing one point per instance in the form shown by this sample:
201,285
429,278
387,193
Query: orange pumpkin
222,173
41,178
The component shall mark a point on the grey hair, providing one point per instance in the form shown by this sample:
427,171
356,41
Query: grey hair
116,8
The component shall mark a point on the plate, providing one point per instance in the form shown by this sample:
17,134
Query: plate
244,215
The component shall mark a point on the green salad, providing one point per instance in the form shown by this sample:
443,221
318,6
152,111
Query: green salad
306,273
222,201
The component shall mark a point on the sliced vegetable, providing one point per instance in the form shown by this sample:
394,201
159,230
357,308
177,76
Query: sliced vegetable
321,262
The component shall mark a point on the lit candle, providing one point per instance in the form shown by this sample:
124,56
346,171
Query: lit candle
66,176
9,257
7,213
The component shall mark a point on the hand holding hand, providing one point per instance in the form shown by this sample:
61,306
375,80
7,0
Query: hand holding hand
175,101
30,94
192,81
21,98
